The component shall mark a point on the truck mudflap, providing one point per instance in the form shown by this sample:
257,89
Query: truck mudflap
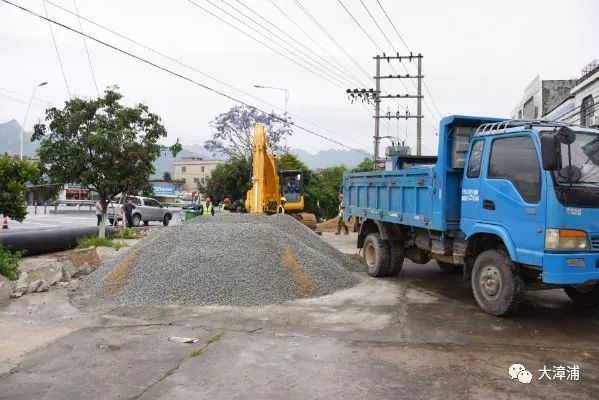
570,268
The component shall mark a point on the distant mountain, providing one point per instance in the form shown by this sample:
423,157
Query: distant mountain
10,140
328,158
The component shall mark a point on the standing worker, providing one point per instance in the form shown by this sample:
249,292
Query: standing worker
99,211
128,208
341,223
226,207
281,207
208,209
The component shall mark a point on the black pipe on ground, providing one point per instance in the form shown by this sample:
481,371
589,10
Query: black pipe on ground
34,243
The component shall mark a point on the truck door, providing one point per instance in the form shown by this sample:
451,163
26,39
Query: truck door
512,195
470,207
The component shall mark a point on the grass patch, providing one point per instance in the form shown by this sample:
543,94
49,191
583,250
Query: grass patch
196,352
214,339
94,241
9,263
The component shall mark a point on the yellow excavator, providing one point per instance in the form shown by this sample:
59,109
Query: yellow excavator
270,187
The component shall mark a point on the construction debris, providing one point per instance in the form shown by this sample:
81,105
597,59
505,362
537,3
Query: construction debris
232,259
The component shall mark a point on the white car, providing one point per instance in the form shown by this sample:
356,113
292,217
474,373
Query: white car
146,209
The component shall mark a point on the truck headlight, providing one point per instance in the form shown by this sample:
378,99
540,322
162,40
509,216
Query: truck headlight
566,239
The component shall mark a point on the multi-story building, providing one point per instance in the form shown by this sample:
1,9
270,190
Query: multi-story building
579,104
191,171
541,96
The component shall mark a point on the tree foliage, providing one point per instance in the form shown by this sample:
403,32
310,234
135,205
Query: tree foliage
101,144
367,164
167,177
14,174
322,192
233,132
232,178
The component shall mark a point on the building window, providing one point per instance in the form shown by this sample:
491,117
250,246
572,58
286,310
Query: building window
587,111
183,169
196,180
202,168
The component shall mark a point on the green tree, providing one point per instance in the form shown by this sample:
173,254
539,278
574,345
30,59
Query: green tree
325,187
167,177
14,174
232,178
101,144
366,165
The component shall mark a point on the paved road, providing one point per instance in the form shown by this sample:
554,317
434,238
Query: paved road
48,221
417,336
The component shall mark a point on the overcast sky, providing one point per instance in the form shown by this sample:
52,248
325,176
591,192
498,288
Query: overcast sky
478,58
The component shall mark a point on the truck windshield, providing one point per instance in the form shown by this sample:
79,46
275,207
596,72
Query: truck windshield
585,156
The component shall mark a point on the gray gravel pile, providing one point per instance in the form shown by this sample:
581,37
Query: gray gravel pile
234,259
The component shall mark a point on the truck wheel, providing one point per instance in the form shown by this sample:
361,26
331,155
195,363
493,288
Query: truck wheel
376,255
136,219
584,295
497,287
449,268
396,258
166,220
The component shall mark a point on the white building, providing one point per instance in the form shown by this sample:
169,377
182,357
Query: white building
191,171
541,96
581,107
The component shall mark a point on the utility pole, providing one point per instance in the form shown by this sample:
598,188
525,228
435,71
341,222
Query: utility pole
376,96
377,112
419,109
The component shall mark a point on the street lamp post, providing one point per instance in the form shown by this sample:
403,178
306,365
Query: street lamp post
276,88
26,114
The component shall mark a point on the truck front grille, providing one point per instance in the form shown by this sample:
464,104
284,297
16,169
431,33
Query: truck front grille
595,242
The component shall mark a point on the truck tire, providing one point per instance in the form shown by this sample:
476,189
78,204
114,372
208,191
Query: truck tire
584,295
376,255
396,258
497,287
449,268
136,219
166,220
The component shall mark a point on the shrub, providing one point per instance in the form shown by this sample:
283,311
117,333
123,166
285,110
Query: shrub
9,263
125,233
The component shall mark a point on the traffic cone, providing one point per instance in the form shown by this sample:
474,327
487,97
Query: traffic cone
5,223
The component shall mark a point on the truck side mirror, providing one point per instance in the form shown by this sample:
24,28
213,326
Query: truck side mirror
549,152
566,135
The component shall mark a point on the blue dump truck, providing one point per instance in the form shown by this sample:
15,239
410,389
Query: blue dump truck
512,205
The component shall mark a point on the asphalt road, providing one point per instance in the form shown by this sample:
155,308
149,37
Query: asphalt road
70,219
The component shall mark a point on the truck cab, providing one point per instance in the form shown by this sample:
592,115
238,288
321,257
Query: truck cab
510,204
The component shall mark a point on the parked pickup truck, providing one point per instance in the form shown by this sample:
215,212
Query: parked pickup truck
146,210
511,204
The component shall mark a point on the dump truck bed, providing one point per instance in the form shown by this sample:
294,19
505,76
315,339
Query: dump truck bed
420,191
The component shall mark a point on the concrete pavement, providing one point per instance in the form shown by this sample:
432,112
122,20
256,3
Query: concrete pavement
418,336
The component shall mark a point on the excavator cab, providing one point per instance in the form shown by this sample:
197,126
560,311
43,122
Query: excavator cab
292,189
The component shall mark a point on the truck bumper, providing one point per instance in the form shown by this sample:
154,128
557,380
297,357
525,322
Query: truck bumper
571,268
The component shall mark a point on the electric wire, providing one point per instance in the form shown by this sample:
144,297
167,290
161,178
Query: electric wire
408,49
335,81
331,38
91,68
190,67
337,71
316,42
64,75
181,76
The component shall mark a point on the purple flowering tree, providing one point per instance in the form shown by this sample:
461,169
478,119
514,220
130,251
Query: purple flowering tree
233,132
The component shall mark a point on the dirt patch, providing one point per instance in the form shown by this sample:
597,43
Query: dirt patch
331,225
118,277
81,257
305,283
